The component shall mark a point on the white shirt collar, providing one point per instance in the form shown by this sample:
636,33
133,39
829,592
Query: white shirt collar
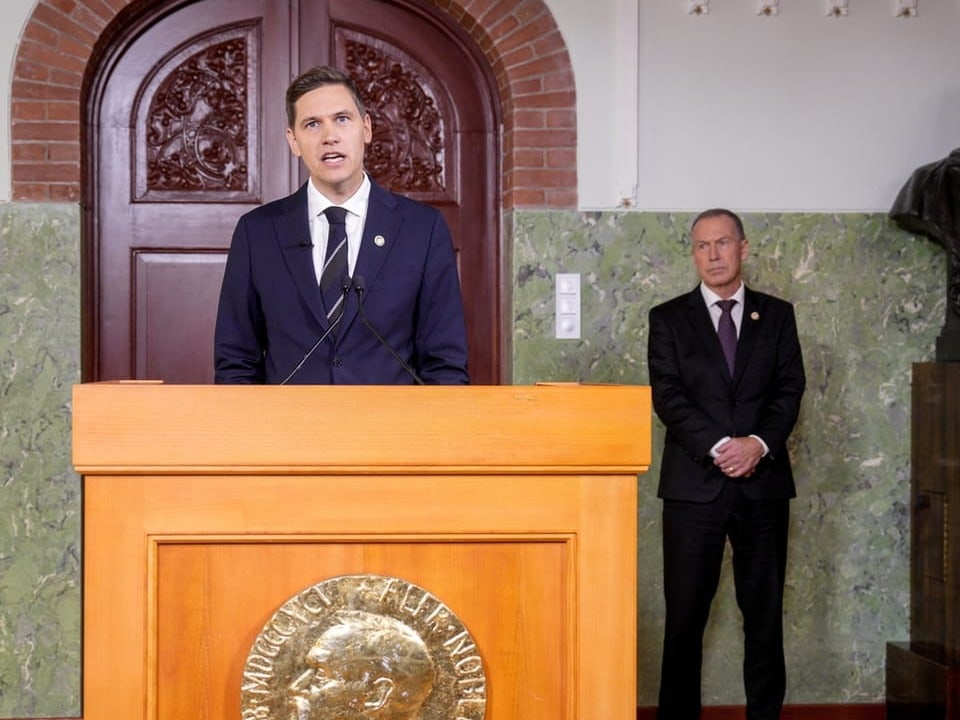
711,298
356,204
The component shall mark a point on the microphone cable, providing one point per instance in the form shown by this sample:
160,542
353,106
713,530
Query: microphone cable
344,289
359,287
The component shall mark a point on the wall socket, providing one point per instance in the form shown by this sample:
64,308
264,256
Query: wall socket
568,306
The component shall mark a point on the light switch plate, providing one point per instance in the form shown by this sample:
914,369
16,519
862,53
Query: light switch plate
568,306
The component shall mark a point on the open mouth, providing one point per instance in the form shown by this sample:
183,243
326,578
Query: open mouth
333,157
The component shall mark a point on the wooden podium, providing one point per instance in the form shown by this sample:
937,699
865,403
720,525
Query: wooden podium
206,508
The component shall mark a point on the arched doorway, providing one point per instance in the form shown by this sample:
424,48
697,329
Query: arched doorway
62,44
186,133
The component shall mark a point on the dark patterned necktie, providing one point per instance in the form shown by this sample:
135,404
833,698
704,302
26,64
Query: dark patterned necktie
335,266
727,332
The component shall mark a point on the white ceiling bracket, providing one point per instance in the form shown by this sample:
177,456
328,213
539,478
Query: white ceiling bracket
768,7
837,8
905,8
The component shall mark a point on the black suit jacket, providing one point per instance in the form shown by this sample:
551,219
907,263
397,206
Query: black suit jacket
699,403
271,312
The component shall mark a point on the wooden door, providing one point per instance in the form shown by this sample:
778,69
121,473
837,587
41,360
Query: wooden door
434,139
186,129
181,149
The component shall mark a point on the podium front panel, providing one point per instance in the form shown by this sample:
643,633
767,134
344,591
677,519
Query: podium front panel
182,571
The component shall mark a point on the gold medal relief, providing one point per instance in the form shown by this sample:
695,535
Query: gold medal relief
364,647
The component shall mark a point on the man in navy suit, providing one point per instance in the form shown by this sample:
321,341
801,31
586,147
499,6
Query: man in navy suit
725,471
273,324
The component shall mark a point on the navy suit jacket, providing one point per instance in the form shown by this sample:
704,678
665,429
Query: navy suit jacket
271,312
699,403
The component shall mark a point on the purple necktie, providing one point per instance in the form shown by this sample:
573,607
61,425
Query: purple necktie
727,332
335,266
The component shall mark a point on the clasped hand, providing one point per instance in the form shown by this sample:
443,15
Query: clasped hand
739,456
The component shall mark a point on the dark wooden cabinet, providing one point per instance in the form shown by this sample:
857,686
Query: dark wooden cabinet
923,675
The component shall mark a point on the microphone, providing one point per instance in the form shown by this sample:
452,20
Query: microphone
344,289
360,287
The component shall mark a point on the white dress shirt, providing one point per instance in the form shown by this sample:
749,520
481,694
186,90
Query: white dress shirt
356,207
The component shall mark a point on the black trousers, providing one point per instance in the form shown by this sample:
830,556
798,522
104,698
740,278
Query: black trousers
694,539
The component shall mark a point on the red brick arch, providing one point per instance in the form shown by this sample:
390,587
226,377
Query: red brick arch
519,39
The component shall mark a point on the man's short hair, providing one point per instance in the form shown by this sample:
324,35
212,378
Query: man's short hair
720,212
316,77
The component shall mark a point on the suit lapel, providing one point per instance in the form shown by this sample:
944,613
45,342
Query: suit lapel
750,325
703,328
381,233
293,234
749,330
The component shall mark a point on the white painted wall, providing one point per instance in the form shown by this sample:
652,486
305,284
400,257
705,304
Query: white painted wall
13,16
799,111
795,112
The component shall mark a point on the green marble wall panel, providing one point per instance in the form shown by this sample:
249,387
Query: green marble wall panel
870,301
39,493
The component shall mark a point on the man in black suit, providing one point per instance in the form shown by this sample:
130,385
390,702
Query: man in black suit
725,472
300,268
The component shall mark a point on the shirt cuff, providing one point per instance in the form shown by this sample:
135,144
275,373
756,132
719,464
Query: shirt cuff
762,443
721,441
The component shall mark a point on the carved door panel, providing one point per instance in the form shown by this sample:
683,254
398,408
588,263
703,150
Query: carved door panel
182,149
434,139
190,134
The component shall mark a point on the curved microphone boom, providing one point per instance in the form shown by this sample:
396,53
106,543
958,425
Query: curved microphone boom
344,289
359,287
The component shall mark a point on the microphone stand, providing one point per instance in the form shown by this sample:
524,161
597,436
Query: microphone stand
359,286
344,289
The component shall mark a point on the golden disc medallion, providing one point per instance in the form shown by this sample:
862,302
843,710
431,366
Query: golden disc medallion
363,647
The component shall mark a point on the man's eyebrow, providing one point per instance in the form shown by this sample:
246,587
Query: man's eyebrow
335,113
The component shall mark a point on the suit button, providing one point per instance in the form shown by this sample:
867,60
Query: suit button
337,361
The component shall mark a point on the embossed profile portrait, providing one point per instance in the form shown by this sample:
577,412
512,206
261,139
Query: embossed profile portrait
364,666
364,647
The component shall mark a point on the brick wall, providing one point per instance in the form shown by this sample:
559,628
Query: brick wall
519,39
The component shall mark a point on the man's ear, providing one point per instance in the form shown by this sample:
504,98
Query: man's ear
367,129
292,142
382,690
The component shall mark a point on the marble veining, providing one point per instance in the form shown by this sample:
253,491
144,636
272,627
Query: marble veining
870,302
39,493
